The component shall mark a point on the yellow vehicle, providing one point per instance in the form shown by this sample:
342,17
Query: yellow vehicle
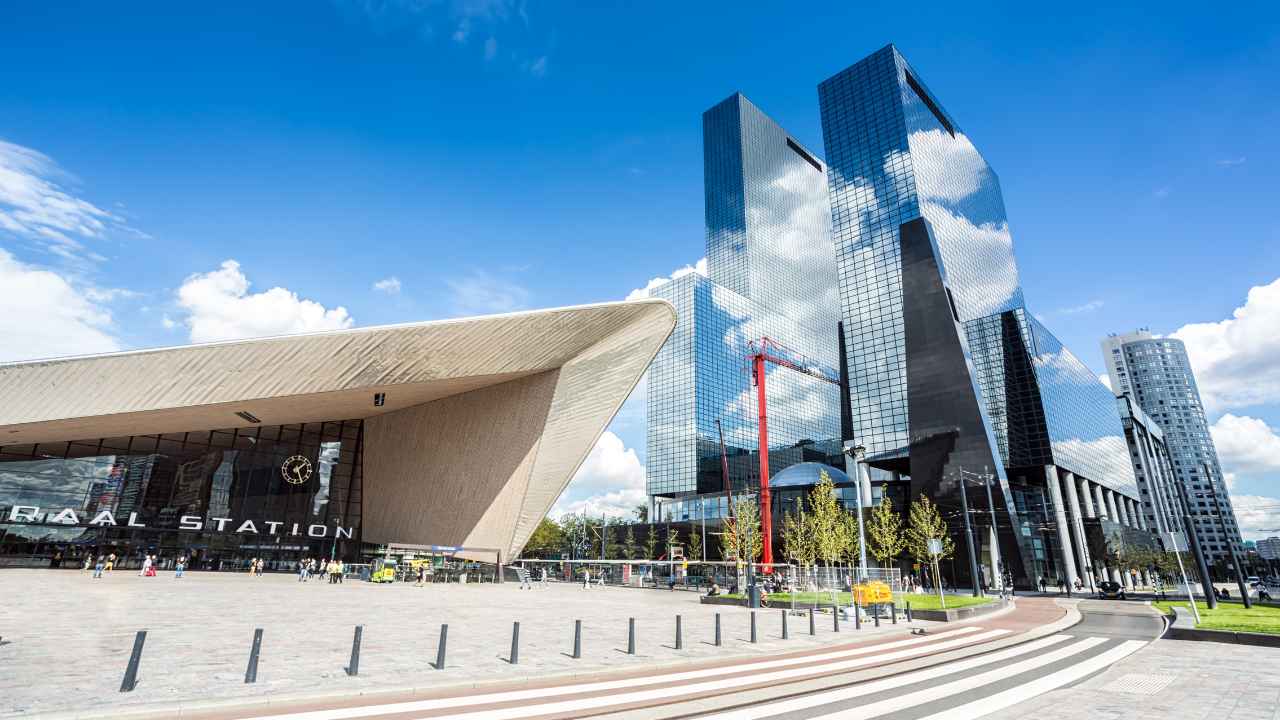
870,593
382,570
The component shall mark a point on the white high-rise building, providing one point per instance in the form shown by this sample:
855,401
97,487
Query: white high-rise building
1155,372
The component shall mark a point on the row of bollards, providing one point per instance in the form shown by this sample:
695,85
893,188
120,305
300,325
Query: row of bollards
130,680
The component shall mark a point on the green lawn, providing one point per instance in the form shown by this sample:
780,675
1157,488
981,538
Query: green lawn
1231,616
918,601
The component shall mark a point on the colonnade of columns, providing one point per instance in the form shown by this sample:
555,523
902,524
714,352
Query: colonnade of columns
1074,499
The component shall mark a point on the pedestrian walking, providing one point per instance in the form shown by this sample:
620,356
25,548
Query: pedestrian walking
342,571
88,562
422,574
586,579
98,567
111,562
146,565
180,567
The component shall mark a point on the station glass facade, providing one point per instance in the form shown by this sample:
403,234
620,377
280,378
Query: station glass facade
222,497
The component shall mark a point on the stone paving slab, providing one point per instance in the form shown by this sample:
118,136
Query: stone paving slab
67,637
1190,681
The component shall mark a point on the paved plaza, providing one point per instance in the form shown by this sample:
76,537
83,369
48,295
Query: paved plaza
1171,679
66,637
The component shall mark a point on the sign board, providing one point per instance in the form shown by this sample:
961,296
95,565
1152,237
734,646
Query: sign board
935,546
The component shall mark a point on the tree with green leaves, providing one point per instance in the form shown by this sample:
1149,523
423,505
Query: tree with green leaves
695,545
797,538
884,532
641,512
744,525
629,545
825,512
651,544
926,522
547,539
851,551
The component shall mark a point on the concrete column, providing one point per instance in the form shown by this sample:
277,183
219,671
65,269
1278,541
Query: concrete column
1140,513
1077,527
1086,494
1122,504
1110,497
1101,501
1064,533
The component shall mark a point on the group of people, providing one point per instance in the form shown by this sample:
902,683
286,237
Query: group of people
105,563
334,570
255,567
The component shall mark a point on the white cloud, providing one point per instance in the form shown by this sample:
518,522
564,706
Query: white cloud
1234,360
1232,162
610,482
35,205
43,315
1078,309
390,286
219,306
1246,445
481,294
699,267
539,67
1257,515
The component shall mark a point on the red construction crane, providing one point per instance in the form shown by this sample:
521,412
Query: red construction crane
759,352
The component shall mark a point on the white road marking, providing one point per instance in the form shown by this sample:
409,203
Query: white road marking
889,683
1039,686
919,645
945,690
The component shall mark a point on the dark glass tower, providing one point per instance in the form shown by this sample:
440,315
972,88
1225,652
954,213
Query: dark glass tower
949,375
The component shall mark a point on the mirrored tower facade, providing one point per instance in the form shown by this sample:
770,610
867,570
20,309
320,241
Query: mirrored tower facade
950,376
770,273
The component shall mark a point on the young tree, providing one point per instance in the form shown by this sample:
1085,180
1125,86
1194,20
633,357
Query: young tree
695,545
744,524
884,532
825,521
851,551
629,545
641,512
926,522
651,544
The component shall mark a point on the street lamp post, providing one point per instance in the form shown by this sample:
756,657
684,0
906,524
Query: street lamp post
968,536
858,453
1231,546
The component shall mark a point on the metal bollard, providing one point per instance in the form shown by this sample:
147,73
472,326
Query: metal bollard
251,672
717,629
875,612
812,629
577,639
353,667
131,672
631,636
515,643
835,618
679,638
753,626
893,610
444,639
785,634
857,615
908,611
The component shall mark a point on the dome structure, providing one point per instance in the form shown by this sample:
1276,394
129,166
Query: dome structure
807,474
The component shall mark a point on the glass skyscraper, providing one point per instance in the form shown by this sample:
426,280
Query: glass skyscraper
1156,373
949,374
771,273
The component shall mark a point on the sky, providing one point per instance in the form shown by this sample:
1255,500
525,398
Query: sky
174,173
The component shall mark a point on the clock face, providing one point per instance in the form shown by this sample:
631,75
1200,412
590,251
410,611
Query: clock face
296,470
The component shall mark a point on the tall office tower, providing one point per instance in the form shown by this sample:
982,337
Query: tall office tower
950,376
1157,374
771,273
1153,468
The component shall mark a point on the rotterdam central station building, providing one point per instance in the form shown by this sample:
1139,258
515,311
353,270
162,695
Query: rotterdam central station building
889,266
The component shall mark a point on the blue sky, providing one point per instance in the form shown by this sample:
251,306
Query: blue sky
493,156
